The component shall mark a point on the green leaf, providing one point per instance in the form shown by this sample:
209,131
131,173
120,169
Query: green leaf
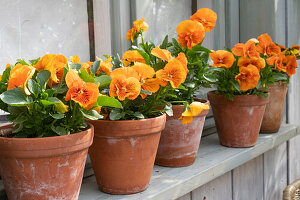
57,115
50,101
236,85
95,67
262,94
34,61
75,66
6,73
84,75
108,101
169,110
201,48
93,115
145,55
279,77
145,92
138,115
22,61
60,130
227,49
104,81
210,77
181,87
176,44
116,114
43,77
16,97
33,87
165,42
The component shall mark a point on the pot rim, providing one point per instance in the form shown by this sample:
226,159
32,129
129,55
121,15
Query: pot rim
239,100
46,146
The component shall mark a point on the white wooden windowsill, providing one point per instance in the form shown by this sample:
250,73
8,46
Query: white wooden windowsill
213,160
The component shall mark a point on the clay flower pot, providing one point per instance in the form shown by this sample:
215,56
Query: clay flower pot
44,168
179,143
274,109
238,122
123,153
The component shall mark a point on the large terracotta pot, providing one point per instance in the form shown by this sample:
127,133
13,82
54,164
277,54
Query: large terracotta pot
274,110
238,122
123,153
44,168
179,143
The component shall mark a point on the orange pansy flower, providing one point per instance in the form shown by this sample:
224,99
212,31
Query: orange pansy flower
86,66
245,50
257,62
54,64
206,17
163,54
182,58
19,76
139,25
126,71
124,87
195,109
278,61
85,94
74,59
144,71
190,33
105,66
248,77
173,72
222,58
266,46
291,65
132,56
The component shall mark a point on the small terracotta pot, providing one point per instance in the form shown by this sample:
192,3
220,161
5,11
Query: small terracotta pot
123,153
179,143
44,168
238,122
274,109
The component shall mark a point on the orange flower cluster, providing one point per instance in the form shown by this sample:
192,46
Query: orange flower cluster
54,64
85,94
192,32
138,26
128,82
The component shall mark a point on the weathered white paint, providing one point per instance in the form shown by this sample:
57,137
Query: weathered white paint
248,181
217,189
275,172
30,29
213,160
102,25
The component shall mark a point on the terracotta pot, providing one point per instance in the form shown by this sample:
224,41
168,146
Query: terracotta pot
179,143
123,153
44,168
274,109
238,121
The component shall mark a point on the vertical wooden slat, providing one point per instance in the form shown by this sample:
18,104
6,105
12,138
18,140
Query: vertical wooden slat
102,24
248,180
120,24
232,28
215,39
293,27
185,197
275,172
218,189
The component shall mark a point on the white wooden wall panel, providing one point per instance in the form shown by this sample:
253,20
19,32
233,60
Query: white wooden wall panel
163,16
102,27
248,180
275,172
215,39
185,197
232,23
293,16
218,189
30,29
